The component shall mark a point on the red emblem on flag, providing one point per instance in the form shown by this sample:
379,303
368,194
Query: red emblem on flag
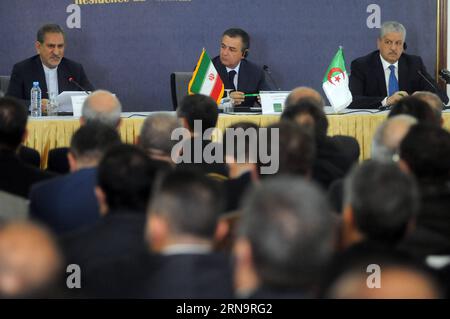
211,77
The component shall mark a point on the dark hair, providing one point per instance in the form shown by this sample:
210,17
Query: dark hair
314,109
93,140
417,108
237,32
13,122
242,132
48,28
289,226
296,148
384,200
199,107
190,201
426,150
126,176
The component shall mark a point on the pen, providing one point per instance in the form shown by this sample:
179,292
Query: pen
255,94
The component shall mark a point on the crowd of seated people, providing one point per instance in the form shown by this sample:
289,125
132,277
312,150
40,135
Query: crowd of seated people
289,213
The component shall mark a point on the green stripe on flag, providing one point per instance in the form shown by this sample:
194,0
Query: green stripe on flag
201,74
337,62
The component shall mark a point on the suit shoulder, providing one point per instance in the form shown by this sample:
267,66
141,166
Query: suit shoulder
411,58
25,64
71,63
252,67
366,59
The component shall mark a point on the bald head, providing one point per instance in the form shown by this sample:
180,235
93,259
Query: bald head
102,106
396,282
29,259
301,93
432,100
389,135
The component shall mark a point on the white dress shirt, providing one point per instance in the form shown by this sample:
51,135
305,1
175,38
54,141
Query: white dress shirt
235,80
51,78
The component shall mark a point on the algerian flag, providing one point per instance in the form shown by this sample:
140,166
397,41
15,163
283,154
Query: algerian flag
206,79
335,83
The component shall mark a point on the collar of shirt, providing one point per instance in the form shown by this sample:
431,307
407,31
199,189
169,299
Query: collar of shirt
186,249
237,74
51,77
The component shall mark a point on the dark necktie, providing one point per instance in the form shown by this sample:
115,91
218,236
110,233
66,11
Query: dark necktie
231,76
393,83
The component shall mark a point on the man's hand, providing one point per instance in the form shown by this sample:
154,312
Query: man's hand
397,96
238,97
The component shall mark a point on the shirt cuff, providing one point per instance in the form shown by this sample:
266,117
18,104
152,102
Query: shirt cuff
384,102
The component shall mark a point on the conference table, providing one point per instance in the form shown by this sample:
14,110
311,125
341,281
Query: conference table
46,133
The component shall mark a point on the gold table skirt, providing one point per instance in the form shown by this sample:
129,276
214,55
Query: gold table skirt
46,134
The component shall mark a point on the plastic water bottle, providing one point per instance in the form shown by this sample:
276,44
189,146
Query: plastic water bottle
36,103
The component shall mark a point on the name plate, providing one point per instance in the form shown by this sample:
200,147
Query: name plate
272,102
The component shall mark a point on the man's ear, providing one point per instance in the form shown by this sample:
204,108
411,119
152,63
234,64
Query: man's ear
101,199
72,162
157,232
37,46
24,136
404,167
82,120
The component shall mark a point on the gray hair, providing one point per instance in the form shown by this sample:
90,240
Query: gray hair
392,26
385,143
383,199
290,228
156,132
90,114
48,28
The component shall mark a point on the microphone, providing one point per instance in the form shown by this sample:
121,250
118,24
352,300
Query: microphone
71,79
434,86
445,75
266,69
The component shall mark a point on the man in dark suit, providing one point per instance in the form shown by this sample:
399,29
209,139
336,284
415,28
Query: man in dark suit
383,77
49,67
16,177
68,202
236,72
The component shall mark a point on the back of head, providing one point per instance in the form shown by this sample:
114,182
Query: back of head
307,112
92,140
126,176
237,32
29,261
389,135
156,132
426,150
199,108
240,142
433,100
102,106
383,275
295,146
383,200
190,202
417,108
289,226
13,122
300,93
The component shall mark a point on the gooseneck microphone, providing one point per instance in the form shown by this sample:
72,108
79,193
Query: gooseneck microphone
71,79
445,75
433,85
266,69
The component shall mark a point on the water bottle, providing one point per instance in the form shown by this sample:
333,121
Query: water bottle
36,104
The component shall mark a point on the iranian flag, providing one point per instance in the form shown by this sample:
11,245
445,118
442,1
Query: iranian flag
206,79
335,83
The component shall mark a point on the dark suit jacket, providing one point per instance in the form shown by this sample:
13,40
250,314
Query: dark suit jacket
251,79
368,83
30,70
16,177
30,156
67,202
189,276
